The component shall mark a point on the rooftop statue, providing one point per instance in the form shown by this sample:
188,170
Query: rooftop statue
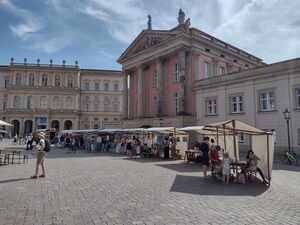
181,17
149,23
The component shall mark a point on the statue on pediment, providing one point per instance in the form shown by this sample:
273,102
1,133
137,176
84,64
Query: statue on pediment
187,23
149,23
181,17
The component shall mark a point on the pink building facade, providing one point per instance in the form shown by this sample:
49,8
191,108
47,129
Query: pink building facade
162,68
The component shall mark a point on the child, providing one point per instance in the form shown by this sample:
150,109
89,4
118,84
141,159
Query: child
226,167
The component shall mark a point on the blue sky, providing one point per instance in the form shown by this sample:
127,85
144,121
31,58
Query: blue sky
96,32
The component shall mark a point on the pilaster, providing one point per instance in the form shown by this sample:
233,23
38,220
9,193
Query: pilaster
125,95
182,80
140,92
159,87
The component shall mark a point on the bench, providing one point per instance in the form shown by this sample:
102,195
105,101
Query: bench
5,158
25,157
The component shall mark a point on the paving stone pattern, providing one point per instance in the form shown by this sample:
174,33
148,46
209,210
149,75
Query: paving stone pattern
105,188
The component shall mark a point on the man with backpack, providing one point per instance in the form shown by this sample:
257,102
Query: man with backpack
42,147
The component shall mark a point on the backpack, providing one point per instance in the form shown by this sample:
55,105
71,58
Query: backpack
47,146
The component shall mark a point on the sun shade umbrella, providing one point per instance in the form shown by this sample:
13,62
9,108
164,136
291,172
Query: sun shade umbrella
2,123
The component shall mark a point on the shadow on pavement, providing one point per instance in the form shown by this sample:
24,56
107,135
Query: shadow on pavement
200,186
280,166
13,180
183,167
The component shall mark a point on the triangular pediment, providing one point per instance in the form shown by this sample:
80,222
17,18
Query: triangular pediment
146,39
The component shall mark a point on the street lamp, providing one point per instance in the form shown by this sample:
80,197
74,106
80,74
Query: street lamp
161,120
287,116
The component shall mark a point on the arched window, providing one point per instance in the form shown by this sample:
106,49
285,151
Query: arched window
17,102
56,103
31,80
18,79
43,102
176,104
29,102
57,81
70,81
44,80
69,103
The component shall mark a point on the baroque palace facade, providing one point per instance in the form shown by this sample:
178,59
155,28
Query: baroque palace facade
183,76
38,96
163,67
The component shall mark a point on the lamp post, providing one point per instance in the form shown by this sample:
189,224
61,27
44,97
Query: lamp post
287,117
161,120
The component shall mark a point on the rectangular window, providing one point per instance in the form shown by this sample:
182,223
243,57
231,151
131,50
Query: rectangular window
297,98
116,87
6,84
116,107
106,99
206,72
236,104
4,106
175,72
211,107
87,86
96,126
176,104
106,107
115,119
105,119
116,99
241,137
221,70
106,87
96,86
154,81
154,105
96,107
267,101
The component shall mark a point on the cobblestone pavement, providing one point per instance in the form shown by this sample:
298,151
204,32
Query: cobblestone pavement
105,188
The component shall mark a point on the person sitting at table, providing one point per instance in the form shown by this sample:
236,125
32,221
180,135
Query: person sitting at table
145,151
252,161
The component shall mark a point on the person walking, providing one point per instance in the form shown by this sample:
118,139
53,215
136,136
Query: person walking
29,142
99,143
41,153
204,148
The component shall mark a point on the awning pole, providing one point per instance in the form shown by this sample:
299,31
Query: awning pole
234,144
224,136
217,135
268,149
250,140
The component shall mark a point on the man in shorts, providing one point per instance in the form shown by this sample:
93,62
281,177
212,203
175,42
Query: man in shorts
40,155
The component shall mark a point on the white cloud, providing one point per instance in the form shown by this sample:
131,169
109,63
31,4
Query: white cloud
106,54
32,23
125,19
